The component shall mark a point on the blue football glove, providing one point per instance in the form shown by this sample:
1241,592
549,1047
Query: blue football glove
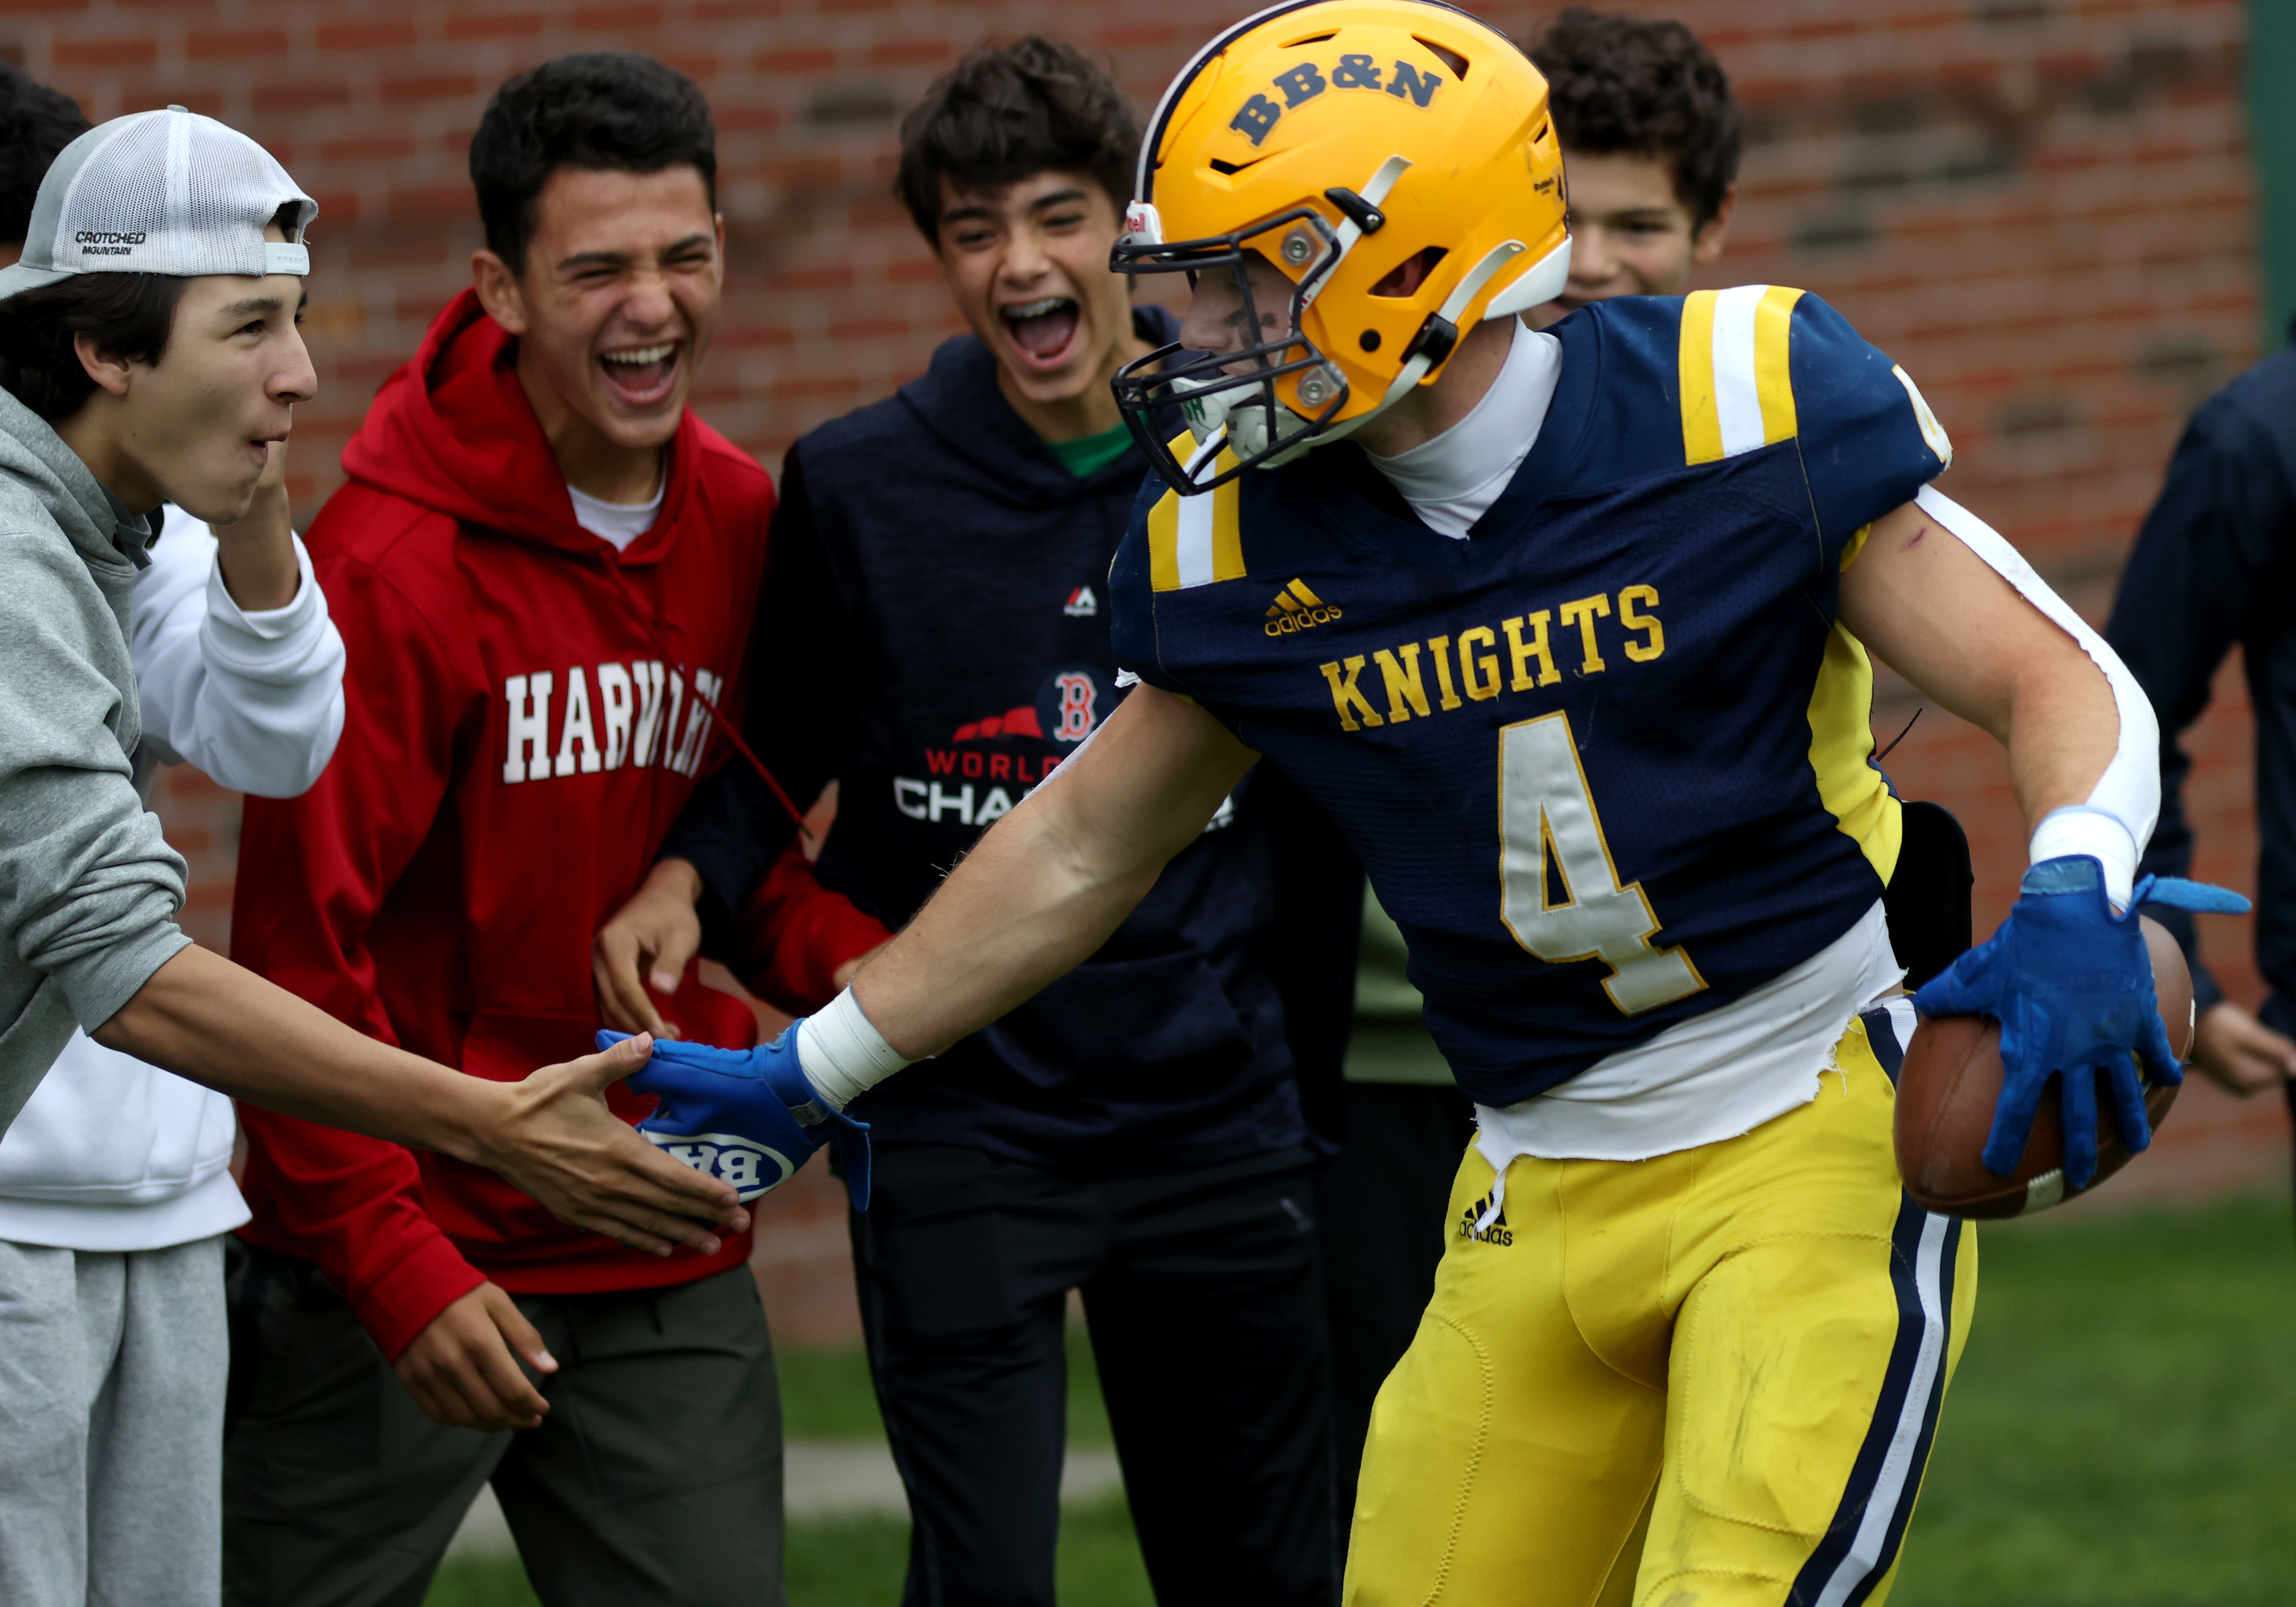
748,1116
2072,985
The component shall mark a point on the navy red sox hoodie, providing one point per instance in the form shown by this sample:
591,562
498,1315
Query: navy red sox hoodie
527,716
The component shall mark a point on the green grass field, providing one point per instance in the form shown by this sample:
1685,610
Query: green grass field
825,1394
2122,1433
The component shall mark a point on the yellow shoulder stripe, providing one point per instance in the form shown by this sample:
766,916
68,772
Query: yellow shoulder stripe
1737,388
1702,433
1194,540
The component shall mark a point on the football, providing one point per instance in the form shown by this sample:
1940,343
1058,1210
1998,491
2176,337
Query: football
1951,1079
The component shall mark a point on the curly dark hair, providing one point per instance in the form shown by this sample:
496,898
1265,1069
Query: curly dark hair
1008,110
611,110
1646,88
36,124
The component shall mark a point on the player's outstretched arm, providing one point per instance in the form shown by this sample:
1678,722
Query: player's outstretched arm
1941,597
1053,878
1040,892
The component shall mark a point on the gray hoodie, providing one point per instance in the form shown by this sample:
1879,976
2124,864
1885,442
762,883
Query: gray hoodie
88,887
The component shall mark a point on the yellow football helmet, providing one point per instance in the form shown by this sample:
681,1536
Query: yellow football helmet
1338,140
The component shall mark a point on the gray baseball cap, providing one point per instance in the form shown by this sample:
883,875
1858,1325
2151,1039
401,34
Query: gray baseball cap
160,192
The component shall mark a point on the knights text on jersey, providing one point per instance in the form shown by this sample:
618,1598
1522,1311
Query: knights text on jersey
1607,760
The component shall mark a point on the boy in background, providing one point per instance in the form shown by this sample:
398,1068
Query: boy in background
1651,141
542,565
2214,565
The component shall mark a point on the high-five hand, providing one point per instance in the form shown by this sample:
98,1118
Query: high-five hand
557,1141
749,1117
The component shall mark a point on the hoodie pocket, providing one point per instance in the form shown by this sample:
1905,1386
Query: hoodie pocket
507,1047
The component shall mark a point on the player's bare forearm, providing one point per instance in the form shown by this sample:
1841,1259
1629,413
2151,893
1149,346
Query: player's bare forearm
1937,614
1053,878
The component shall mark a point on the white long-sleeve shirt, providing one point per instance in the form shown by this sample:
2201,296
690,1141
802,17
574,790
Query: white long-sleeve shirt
112,1154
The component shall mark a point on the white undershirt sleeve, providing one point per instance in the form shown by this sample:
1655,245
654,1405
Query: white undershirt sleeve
2115,821
255,699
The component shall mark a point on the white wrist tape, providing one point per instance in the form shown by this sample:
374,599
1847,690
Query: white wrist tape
843,1055
2078,829
2128,793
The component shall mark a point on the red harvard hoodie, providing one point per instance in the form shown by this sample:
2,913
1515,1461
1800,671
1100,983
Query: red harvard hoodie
525,721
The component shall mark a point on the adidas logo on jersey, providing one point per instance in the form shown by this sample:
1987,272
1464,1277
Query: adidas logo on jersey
1081,603
750,1167
1296,608
1496,1233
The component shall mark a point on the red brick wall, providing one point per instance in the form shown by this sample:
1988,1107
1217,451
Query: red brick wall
2043,208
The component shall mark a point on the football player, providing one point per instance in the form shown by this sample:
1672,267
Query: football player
1569,630
1651,139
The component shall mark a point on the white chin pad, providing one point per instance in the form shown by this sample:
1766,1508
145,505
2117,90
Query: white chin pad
1237,409
1541,283
1248,431
1204,404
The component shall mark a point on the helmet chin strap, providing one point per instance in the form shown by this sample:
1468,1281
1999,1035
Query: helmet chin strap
1373,194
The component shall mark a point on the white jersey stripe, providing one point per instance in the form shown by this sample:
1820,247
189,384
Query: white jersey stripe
1193,541
1737,395
2130,790
1898,1479
1903,1018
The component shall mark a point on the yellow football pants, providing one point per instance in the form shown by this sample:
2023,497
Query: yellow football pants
1709,1378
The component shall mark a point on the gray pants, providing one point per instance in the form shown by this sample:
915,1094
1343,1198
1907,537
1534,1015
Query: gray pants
111,1385
657,1476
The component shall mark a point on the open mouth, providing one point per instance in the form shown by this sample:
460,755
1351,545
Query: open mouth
642,376
1042,330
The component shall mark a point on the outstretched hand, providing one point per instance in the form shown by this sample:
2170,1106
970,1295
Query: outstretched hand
557,1141
2072,984
751,1117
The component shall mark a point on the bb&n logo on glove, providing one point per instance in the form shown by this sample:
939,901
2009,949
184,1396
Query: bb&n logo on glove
750,1167
748,1116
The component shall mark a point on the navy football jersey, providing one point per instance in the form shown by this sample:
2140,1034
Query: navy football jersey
1608,759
